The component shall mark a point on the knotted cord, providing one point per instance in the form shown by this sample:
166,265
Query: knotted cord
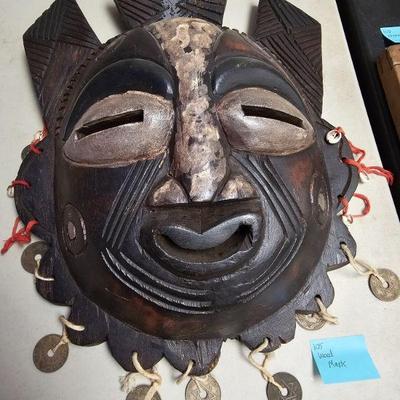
361,267
263,367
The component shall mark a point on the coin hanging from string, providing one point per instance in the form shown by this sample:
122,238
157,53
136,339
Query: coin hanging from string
383,283
140,392
203,388
388,292
30,254
50,354
293,390
310,322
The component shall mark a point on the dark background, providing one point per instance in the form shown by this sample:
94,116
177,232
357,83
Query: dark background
362,20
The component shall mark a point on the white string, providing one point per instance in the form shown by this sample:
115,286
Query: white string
263,367
186,373
200,381
71,325
128,382
38,259
361,267
323,312
64,338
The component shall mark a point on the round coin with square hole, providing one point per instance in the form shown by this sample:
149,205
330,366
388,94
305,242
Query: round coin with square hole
45,359
389,293
140,392
310,322
203,388
30,254
291,385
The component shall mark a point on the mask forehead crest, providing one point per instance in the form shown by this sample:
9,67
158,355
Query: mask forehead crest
56,45
142,12
295,38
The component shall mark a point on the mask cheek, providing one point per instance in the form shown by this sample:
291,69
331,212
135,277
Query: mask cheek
303,173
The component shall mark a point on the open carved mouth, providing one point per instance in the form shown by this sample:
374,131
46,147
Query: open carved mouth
217,243
207,240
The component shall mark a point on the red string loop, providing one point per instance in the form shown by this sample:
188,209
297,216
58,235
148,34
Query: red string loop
41,135
17,182
21,182
361,167
34,148
22,235
345,203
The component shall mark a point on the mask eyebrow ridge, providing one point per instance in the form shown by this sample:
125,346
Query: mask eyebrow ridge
239,72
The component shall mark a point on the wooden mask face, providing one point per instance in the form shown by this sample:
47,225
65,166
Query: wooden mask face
194,195
209,184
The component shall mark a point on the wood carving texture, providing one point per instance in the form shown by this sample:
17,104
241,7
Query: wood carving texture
139,12
59,36
296,39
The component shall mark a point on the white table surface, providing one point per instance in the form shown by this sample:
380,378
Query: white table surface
91,373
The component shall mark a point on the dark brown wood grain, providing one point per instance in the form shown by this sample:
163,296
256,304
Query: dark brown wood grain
295,38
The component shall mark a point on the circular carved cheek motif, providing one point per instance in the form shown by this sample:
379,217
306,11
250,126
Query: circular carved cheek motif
74,230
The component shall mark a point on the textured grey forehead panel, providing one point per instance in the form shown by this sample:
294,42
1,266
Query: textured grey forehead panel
199,155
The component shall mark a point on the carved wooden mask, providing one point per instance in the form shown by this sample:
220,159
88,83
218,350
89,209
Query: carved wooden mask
185,189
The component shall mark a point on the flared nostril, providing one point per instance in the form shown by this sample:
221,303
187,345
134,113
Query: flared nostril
236,188
169,192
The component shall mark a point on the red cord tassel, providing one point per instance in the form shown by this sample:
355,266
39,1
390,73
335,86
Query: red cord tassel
20,182
362,168
365,211
34,148
22,235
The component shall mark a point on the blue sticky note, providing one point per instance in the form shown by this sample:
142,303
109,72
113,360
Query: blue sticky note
343,359
392,33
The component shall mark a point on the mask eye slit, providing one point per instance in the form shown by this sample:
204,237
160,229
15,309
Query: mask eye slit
110,122
265,112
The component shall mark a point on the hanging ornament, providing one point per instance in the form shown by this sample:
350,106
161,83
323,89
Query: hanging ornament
292,387
384,283
32,255
49,355
279,386
316,321
51,352
203,387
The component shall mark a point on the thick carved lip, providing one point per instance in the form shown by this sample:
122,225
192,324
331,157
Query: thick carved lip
218,243
188,239
203,240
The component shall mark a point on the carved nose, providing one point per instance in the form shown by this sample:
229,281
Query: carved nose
199,159
199,163
171,192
